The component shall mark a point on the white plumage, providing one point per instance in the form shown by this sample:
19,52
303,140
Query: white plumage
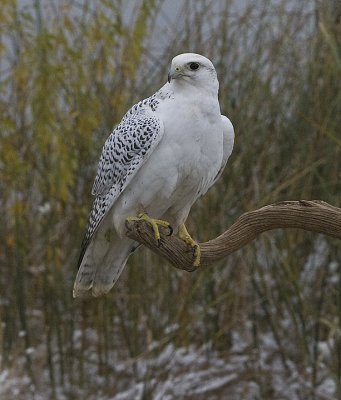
166,153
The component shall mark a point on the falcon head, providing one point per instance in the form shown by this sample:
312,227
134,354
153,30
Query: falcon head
194,69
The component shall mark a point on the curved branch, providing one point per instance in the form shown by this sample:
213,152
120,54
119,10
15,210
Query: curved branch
314,216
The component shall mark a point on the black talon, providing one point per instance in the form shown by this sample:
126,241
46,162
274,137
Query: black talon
127,224
158,242
170,231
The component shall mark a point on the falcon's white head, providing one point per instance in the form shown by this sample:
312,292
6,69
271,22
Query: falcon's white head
193,69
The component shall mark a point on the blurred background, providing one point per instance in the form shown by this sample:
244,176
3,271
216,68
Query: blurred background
264,323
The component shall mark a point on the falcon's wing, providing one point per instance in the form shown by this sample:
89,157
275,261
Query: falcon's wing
228,142
124,152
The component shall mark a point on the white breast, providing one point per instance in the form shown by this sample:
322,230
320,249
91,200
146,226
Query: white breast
181,168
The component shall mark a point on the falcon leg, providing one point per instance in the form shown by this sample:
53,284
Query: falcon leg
186,237
154,223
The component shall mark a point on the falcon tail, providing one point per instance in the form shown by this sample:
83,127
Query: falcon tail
102,263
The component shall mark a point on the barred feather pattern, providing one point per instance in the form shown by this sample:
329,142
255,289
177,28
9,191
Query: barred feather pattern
123,153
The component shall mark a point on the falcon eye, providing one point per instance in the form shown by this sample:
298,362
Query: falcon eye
193,66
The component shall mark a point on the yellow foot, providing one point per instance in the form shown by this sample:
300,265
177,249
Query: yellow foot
154,223
186,237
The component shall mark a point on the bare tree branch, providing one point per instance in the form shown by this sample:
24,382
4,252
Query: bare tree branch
314,216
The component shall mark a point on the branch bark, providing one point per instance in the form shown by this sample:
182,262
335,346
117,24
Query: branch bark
314,216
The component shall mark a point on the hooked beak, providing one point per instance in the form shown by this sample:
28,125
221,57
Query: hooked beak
174,73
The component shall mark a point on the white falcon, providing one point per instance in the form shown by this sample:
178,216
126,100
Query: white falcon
167,151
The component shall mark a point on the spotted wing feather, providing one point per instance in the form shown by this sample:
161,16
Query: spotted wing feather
124,152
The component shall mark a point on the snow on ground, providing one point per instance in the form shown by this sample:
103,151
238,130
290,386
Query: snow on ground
185,373
243,370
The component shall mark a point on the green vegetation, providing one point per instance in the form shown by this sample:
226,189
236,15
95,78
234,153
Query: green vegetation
68,73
